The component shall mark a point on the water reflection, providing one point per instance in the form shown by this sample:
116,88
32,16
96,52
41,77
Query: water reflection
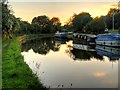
62,67
41,46
111,52
84,52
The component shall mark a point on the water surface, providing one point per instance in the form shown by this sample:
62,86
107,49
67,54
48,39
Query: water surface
58,65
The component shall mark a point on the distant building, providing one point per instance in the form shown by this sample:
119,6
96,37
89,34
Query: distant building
119,5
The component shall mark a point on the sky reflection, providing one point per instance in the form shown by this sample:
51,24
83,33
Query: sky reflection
57,69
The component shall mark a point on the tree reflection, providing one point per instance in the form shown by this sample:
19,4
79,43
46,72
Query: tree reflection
41,46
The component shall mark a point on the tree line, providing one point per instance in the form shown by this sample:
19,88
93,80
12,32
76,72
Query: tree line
15,26
82,23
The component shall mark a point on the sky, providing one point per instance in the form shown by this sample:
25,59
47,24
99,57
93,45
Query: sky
64,10
63,0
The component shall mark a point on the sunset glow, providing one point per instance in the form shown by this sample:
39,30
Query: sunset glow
28,10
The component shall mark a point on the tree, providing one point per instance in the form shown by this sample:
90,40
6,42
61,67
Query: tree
25,27
109,18
69,21
56,24
10,23
43,24
80,20
68,25
96,26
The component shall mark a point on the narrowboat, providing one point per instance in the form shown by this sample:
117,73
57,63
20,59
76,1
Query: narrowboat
70,35
61,35
108,40
85,39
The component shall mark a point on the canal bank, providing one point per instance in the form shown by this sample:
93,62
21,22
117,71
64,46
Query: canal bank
15,72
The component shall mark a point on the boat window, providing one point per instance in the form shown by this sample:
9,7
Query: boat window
85,37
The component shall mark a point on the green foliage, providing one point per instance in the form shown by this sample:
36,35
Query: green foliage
68,28
109,18
97,25
56,24
42,24
80,20
83,22
10,23
25,28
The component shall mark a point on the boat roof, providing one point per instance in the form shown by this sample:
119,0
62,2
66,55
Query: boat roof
108,35
89,35
61,33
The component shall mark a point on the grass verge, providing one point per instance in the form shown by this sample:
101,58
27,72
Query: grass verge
116,31
15,73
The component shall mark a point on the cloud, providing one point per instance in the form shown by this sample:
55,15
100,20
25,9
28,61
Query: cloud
99,74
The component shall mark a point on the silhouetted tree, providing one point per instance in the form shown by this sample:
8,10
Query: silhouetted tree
97,25
42,23
56,24
80,20
109,18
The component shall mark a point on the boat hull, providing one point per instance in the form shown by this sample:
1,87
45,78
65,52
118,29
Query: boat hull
112,40
109,43
61,35
85,39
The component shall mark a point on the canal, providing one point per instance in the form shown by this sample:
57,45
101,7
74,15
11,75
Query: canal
58,65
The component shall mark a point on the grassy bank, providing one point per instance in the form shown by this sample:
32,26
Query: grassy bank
116,31
15,73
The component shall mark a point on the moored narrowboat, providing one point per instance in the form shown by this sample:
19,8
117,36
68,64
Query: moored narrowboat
85,39
61,35
108,40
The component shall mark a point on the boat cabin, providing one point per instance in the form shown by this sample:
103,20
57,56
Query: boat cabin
84,39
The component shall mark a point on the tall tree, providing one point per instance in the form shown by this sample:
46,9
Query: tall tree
56,24
97,25
10,23
80,20
43,23
113,12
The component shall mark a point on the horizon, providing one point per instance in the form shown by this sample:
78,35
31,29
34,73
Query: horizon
64,10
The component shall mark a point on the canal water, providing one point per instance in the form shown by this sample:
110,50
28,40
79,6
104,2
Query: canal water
58,65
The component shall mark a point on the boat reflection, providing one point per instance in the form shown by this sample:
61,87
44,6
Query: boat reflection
84,52
111,52
84,47
60,41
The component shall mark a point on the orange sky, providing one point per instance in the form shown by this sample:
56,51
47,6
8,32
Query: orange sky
28,10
